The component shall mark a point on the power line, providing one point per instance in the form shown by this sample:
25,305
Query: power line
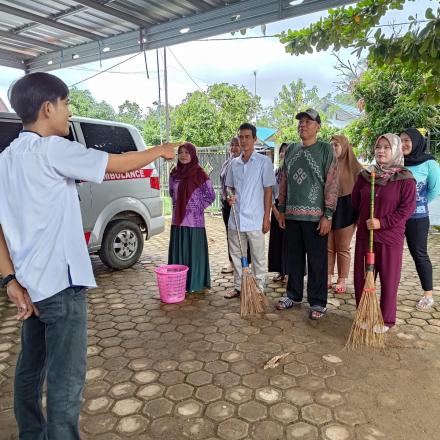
187,73
105,70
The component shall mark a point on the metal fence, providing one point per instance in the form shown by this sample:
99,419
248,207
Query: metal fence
211,159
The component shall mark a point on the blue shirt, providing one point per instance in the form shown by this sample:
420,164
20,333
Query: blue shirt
427,175
249,180
40,212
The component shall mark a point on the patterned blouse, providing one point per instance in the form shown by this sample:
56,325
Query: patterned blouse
200,199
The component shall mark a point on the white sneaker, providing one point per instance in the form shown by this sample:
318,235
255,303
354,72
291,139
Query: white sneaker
380,329
228,268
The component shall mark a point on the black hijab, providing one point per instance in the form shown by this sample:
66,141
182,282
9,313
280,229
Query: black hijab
417,155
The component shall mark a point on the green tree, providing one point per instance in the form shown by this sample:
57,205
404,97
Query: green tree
131,113
292,99
416,49
213,117
384,95
82,103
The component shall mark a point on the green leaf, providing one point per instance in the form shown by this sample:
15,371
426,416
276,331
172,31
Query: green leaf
429,14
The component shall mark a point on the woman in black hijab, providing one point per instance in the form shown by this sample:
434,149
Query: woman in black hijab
426,171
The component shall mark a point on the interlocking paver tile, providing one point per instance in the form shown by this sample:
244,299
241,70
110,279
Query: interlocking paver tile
209,393
180,391
316,414
337,432
302,431
126,407
132,425
284,412
252,411
267,430
189,408
298,396
219,411
151,391
198,428
158,408
233,429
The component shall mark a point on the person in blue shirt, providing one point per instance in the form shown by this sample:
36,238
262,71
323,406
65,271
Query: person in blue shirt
426,171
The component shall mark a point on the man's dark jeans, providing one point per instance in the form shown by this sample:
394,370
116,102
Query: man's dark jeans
53,346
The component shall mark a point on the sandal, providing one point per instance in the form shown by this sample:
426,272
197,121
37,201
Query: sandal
285,279
277,278
233,293
425,304
285,303
317,312
340,288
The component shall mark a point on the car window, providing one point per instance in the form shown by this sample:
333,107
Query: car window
9,130
108,138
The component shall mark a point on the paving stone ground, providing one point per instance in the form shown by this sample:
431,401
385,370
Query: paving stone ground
194,370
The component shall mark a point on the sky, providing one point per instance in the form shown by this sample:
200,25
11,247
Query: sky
209,62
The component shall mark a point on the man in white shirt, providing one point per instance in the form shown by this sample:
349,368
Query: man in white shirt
43,254
251,178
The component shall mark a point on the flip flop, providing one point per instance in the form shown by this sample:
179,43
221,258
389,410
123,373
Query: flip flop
285,303
317,312
234,293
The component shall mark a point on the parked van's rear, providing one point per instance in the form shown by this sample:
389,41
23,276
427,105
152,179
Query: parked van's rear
125,206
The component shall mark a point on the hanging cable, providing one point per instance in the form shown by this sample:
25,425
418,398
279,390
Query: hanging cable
105,70
187,73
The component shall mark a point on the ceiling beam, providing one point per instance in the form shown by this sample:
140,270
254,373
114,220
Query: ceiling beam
10,59
217,21
27,40
91,4
48,22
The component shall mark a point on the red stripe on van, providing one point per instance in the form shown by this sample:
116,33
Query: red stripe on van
87,236
154,182
137,174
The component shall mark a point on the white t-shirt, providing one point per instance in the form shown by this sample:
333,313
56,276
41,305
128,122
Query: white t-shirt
40,212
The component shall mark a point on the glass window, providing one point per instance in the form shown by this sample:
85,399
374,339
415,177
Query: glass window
9,130
108,138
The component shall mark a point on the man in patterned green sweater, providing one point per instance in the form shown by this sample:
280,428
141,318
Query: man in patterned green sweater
307,200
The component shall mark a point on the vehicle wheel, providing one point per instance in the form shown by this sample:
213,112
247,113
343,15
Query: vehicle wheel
122,244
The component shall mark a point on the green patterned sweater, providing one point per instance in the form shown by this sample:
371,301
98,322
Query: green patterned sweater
309,182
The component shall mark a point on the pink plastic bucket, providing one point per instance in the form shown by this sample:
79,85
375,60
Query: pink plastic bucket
171,280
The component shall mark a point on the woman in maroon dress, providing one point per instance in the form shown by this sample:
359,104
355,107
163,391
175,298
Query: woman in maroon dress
395,202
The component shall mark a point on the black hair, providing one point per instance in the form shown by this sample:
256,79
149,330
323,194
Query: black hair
284,145
248,126
27,94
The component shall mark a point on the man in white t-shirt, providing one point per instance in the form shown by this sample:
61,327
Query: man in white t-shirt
43,254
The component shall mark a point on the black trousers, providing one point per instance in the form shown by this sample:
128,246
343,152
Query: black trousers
303,239
416,233
226,212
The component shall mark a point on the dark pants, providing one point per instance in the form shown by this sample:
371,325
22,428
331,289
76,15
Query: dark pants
417,239
53,346
388,265
226,212
303,239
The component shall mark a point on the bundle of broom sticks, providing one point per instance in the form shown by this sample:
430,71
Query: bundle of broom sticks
252,298
368,321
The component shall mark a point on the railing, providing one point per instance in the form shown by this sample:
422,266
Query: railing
211,159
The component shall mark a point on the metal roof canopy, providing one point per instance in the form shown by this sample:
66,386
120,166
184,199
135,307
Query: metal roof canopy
44,35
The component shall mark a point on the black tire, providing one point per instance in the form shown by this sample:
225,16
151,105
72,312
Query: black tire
122,244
